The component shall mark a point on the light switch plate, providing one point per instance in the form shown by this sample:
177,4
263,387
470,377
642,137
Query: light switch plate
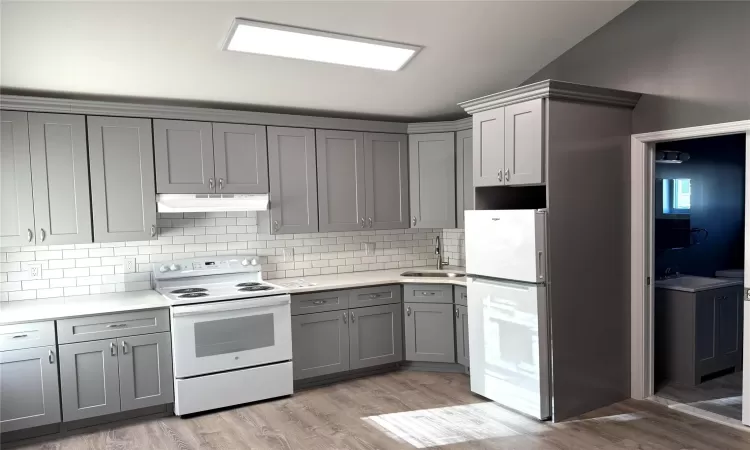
129,265
35,271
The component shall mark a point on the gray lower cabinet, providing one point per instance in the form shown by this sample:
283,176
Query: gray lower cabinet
60,178
464,175
386,181
145,371
432,180
184,156
89,380
462,335
29,395
122,179
293,180
341,180
320,343
375,336
429,332
16,199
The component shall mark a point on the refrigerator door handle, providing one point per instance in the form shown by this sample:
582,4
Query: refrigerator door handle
540,265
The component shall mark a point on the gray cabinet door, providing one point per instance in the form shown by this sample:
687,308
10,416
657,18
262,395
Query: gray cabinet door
489,147
145,369
375,335
89,380
240,158
462,335
184,155
320,344
429,332
729,328
60,174
464,175
29,396
293,180
432,180
16,198
524,149
706,344
386,181
341,180
123,195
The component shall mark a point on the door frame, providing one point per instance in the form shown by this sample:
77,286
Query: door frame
642,252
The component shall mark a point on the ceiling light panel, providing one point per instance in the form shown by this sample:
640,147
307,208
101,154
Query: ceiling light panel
300,43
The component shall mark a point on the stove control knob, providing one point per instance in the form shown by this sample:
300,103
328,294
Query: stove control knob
253,262
174,267
163,269
245,262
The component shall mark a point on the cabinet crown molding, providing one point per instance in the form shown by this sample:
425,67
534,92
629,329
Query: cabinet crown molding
556,90
439,127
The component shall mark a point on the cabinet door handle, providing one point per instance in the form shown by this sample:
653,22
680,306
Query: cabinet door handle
319,302
408,310
344,315
31,235
51,357
353,316
276,225
211,184
456,313
153,230
19,336
499,174
221,183
362,222
124,347
507,174
112,349
369,222
414,221
44,234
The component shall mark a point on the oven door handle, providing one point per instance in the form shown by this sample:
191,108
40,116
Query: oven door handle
218,307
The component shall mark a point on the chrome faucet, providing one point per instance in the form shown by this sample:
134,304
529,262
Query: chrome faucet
439,253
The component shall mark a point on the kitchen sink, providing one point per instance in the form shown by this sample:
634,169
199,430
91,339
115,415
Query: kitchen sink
433,274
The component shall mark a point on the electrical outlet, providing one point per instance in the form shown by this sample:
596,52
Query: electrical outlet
369,248
288,253
129,265
35,271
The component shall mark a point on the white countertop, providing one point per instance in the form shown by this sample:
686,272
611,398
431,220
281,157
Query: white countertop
690,283
364,279
87,305
80,305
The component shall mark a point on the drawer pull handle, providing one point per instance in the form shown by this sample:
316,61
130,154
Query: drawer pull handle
374,295
344,315
117,325
20,336
124,347
428,293
320,302
51,357
112,349
408,310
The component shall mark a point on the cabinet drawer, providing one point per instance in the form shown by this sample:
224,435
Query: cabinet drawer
459,295
319,302
27,335
428,293
376,295
108,326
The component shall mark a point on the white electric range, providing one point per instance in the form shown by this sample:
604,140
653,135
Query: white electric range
231,332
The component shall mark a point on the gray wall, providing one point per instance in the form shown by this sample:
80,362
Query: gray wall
692,59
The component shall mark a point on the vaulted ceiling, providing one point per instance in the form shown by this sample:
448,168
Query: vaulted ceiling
172,50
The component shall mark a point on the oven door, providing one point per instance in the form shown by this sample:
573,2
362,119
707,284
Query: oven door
220,336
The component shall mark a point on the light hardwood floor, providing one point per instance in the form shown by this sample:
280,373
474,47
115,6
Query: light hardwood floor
344,416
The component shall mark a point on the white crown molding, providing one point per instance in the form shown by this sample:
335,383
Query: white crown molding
552,89
439,127
124,109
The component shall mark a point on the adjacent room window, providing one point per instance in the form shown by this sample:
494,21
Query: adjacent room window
676,199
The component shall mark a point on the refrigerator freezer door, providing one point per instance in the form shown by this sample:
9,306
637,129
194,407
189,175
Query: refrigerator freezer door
508,245
509,342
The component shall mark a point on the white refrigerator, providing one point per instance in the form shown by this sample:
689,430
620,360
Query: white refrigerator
509,339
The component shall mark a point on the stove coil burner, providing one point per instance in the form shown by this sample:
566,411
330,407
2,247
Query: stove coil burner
194,295
255,288
248,284
188,291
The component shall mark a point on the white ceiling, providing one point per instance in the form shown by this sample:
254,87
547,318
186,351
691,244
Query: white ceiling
172,50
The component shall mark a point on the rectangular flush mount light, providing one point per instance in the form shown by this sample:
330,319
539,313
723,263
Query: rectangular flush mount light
300,43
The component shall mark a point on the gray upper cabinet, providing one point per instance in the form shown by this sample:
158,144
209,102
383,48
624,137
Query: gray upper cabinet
145,371
341,180
293,180
240,159
16,198
432,180
122,179
29,395
60,176
375,336
489,147
524,149
184,157
89,379
320,343
429,332
462,335
386,181
464,175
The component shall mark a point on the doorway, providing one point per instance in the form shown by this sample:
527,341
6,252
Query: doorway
669,196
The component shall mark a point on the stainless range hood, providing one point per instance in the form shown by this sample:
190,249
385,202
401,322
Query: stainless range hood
211,202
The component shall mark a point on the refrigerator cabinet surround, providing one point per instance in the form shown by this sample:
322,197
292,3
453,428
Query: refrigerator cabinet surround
510,345
507,245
